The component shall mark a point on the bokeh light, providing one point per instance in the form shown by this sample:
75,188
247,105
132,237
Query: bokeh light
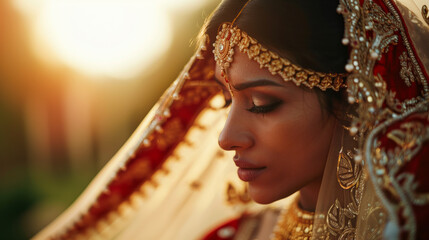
117,39
76,78
182,5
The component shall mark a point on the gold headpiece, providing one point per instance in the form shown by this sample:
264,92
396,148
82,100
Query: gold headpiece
230,36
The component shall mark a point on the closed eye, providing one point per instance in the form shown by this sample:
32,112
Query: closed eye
264,108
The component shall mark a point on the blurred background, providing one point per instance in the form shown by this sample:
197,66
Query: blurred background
76,78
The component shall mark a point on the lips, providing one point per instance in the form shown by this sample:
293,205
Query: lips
247,171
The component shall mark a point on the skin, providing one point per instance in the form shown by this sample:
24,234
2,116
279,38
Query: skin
286,137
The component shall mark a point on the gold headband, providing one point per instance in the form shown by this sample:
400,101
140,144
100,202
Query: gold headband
230,36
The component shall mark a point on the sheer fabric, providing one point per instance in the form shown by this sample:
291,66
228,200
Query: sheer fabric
171,181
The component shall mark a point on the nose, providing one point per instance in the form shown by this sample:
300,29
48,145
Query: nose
236,133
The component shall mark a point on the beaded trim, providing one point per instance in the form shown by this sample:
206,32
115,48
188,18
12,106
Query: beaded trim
230,36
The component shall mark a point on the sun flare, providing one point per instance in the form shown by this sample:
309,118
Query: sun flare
115,38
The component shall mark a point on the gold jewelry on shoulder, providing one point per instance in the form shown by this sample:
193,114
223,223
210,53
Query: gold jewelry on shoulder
230,36
294,223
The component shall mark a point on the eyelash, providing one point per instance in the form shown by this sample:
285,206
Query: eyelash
264,109
254,109
227,103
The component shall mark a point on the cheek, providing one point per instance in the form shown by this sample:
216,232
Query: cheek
299,137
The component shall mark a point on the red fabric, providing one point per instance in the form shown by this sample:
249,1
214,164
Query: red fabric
418,167
389,67
233,224
147,160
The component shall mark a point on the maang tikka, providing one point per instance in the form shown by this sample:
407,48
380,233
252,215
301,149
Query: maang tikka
226,40
230,36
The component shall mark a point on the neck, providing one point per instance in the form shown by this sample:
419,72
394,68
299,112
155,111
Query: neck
308,195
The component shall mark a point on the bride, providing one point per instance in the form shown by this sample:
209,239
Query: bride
303,100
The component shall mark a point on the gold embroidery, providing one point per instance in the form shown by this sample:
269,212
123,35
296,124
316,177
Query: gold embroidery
375,216
347,174
370,32
398,106
410,138
230,36
340,219
425,13
236,196
419,72
385,165
406,71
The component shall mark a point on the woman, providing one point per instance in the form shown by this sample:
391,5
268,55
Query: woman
283,115
280,67
270,115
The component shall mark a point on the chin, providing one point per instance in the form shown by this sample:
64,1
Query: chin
263,195
263,200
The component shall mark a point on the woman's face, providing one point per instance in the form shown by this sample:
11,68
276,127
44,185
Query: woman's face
279,132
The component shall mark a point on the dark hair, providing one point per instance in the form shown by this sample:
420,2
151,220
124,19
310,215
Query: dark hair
306,32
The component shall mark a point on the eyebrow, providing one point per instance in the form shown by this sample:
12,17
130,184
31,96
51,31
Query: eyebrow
256,83
251,84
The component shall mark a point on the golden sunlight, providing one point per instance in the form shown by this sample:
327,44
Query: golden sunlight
182,5
115,38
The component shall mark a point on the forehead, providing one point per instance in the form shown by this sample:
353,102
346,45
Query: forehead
242,69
